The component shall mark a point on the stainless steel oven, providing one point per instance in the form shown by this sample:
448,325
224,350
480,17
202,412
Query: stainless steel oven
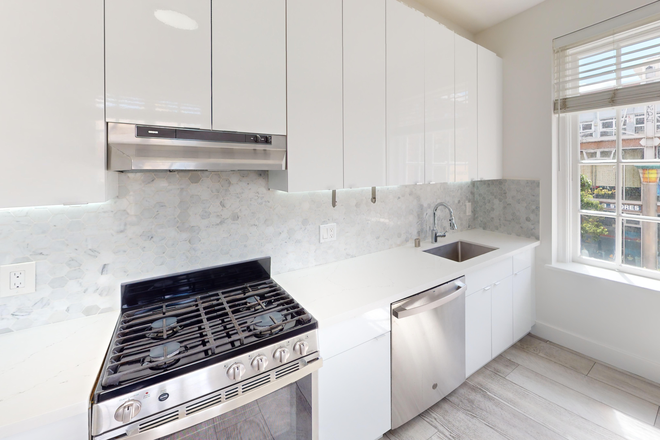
220,353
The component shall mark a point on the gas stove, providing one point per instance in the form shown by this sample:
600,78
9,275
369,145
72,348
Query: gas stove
191,346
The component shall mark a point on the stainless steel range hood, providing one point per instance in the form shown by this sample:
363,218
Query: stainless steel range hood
148,148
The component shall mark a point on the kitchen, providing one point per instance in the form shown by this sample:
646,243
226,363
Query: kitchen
246,139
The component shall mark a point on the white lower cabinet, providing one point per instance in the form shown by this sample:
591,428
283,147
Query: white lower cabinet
354,402
523,303
502,316
478,330
499,308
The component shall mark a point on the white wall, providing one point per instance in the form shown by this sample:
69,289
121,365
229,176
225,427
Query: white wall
440,19
611,321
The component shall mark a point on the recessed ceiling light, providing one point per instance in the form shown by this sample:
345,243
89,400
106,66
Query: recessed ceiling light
176,19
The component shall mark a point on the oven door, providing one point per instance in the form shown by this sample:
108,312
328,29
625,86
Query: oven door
279,410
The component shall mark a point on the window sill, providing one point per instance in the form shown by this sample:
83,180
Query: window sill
608,274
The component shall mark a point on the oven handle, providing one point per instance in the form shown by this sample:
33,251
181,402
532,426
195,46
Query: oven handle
131,432
402,312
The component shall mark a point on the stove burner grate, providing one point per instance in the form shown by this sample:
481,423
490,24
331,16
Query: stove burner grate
202,326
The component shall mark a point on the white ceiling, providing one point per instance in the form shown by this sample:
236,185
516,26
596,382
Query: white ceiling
476,15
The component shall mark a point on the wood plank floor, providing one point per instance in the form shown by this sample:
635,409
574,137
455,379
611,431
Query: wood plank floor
539,390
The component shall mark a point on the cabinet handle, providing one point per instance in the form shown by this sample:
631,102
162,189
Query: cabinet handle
488,288
498,283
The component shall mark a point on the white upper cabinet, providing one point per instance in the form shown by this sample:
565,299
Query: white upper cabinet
158,62
490,114
51,111
365,144
315,159
249,66
405,94
439,102
466,110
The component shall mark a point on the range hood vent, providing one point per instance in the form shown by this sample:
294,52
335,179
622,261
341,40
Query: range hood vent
147,148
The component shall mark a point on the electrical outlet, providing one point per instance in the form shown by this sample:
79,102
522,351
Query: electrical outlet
18,279
328,232
468,209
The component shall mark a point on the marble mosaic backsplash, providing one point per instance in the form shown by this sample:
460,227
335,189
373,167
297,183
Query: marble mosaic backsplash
508,206
170,222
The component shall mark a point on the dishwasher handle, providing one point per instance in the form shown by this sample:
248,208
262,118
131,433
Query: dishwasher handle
402,312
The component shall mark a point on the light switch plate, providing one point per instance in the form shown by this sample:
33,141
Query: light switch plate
468,210
26,271
328,232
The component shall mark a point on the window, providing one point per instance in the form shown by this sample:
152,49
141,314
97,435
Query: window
608,107
617,220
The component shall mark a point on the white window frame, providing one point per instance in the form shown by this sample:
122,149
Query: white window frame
568,195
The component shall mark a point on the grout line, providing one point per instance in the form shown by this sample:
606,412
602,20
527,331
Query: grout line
515,408
507,375
592,367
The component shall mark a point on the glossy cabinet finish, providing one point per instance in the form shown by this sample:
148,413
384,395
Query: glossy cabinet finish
365,144
502,316
499,308
466,110
249,66
438,102
51,111
158,62
405,94
478,330
354,392
315,159
523,303
490,114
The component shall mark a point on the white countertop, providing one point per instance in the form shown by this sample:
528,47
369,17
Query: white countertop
343,290
47,373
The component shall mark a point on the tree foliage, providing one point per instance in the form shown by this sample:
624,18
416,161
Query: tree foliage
592,229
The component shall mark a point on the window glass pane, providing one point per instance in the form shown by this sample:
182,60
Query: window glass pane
597,135
641,242
640,190
598,188
597,237
640,128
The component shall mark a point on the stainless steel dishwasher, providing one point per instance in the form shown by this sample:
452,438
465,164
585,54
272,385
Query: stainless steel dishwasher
428,349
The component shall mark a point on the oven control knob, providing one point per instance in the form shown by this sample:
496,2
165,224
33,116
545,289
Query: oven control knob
259,363
301,348
236,371
281,355
127,411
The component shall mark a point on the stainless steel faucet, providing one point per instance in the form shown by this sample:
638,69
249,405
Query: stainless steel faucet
452,223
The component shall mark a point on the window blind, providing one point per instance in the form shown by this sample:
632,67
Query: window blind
620,68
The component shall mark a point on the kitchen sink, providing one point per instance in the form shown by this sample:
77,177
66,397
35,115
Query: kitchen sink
460,251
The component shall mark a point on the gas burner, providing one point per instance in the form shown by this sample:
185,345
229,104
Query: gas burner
262,324
254,303
162,352
163,328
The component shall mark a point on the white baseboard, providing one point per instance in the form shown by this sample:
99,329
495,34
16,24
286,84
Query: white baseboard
604,353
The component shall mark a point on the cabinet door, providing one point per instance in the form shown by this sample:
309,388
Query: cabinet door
405,94
315,159
51,110
490,114
249,66
158,62
523,304
438,102
478,330
365,144
502,316
466,110
354,401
